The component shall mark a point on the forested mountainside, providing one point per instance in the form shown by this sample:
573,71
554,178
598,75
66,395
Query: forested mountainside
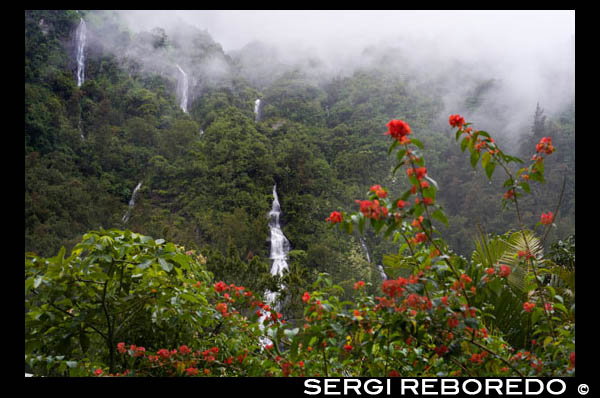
171,116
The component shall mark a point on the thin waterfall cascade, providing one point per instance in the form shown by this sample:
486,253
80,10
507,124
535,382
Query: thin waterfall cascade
257,109
183,89
379,266
280,247
131,203
366,250
81,37
382,272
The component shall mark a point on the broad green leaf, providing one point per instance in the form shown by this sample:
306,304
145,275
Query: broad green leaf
417,143
167,266
474,158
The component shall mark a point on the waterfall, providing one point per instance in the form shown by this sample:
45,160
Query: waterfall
131,203
80,35
382,272
366,250
183,89
364,246
257,109
280,247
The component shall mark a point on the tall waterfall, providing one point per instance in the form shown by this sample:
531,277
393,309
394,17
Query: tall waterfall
257,109
80,35
183,85
364,246
366,250
280,247
131,203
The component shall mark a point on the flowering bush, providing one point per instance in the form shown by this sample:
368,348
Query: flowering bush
440,320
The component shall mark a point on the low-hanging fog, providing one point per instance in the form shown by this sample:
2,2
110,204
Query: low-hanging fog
526,57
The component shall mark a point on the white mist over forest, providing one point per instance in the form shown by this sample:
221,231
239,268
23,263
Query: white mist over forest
527,56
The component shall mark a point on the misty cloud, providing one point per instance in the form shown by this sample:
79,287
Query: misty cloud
519,57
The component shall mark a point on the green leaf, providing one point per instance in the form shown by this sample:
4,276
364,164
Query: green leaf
291,332
485,159
525,186
458,133
400,155
167,266
475,158
438,214
489,170
417,143
463,144
37,281
145,264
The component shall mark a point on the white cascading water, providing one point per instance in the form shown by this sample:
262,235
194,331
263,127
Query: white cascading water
80,35
183,89
280,247
379,266
257,109
131,203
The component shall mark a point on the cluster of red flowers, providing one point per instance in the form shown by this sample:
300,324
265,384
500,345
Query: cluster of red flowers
358,285
380,192
525,254
399,130
545,145
547,218
394,287
372,209
527,306
334,217
306,297
478,358
457,121
420,172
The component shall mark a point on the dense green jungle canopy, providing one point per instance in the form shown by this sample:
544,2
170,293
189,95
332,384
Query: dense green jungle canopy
208,175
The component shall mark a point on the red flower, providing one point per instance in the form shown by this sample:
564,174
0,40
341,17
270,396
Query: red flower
476,358
334,217
549,307
222,308
221,286
348,347
358,285
381,193
371,209
163,353
545,145
527,306
420,237
547,218
444,300
441,350
121,348
394,287
398,129
191,371
98,372
184,350
572,359
504,271
306,297
456,121
509,194
452,322
375,188
490,271
401,204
